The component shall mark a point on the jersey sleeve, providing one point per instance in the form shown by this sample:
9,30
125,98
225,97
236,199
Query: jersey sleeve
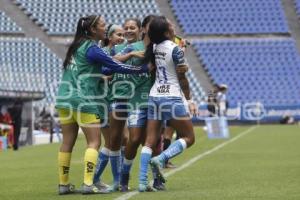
178,56
106,71
113,51
127,50
96,55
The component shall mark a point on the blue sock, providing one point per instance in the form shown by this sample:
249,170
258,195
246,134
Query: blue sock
127,166
115,165
126,171
173,150
146,154
122,156
102,162
154,173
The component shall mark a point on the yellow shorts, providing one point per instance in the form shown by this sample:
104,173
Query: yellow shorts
67,116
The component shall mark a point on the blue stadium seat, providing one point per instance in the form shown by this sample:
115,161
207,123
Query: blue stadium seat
266,70
297,6
59,17
229,17
7,25
27,65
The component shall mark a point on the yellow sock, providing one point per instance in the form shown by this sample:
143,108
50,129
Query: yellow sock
64,159
90,160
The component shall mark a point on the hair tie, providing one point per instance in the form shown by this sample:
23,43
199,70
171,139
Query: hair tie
94,21
82,23
107,32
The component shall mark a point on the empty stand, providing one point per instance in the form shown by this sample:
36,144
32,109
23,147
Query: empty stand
27,65
59,17
264,70
230,16
196,89
7,25
297,6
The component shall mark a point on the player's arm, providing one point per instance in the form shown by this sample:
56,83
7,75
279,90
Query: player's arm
179,61
128,53
125,57
181,65
181,42
96,55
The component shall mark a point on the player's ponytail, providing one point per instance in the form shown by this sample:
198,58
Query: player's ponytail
83,32
145,22
149,54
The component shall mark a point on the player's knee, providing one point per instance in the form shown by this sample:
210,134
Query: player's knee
190,140
135,141
150,145
94,144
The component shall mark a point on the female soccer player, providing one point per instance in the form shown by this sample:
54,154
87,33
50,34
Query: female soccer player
165,99
114,35
122,90
137,116
80,100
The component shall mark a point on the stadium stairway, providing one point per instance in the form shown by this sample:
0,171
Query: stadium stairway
191,56
30,29
293,20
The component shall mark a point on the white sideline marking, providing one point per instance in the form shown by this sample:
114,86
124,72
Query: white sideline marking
192,161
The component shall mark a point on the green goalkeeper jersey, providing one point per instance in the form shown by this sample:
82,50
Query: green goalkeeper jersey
79,89
133,87
120,84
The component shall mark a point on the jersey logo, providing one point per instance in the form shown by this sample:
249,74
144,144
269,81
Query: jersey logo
97,116
163,89
66,169
89,167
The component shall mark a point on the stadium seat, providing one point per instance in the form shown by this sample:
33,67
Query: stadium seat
7,25
27,65
59,17
265,70
230,17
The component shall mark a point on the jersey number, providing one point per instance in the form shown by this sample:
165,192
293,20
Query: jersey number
164,78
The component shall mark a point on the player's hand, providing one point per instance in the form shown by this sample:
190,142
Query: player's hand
193,107
108,78
181,69
183,44
138,54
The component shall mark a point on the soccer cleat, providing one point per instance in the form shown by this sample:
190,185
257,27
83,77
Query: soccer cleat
114,187
66,189
124,183
101,186
157,184
170,165
92,189
146,188
157,164
124,188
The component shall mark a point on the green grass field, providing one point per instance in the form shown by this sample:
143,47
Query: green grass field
263,164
